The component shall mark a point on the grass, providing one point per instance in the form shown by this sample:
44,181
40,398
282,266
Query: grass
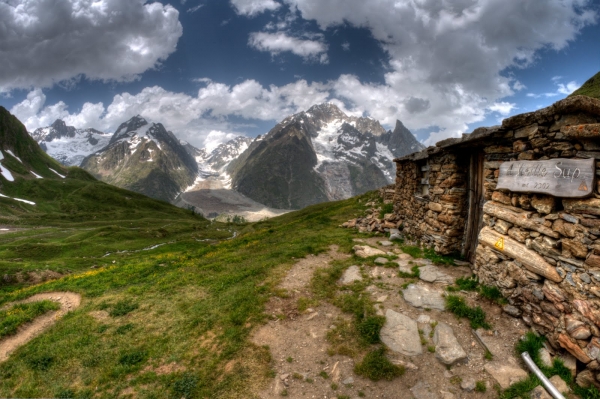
532,344
197,298
472,284
590,88
480,386
459,307
386,208
428,253
376,366
17,315
415,273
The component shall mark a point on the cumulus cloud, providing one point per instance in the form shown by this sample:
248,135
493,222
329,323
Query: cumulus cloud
503,108
44,42
279,42
192,118
561,89
254,7
450,53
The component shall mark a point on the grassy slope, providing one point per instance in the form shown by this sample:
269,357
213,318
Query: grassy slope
590,88
195,304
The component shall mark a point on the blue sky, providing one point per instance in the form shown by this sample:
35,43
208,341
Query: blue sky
213,69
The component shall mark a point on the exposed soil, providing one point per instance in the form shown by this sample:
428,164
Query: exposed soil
299,346
68,301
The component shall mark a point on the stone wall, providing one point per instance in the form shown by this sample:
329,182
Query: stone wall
548,266
437,219
559,296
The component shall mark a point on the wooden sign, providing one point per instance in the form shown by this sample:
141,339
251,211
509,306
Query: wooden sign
560,177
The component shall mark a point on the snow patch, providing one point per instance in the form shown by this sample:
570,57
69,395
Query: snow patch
14,156
6,173
36,175
25,201
61,176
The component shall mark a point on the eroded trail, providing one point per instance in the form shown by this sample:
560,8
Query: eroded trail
300,340
68,301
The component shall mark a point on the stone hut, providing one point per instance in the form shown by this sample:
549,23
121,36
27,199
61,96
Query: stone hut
521,202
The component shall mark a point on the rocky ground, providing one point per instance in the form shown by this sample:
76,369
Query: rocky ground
442,355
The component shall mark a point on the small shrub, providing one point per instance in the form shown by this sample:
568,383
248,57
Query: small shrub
431,349
324,375
488,355
386,208
184,386
370,327
41,362
132,358
124,329
480,386
121,308
289,359
492,293
334,386
297,376
376,366
459,307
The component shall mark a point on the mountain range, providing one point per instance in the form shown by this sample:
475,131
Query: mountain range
317,155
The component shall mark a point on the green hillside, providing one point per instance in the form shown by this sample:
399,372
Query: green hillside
590,88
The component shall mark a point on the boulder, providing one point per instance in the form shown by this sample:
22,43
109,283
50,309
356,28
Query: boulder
351,275
505,374
432,274
423,390
447,349
424,297
401,334
365,251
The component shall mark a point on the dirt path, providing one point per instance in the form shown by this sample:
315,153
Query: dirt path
299,344
68,301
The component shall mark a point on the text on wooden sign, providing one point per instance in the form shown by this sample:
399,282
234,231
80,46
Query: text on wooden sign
560,177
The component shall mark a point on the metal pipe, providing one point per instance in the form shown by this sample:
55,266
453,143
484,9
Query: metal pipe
547,384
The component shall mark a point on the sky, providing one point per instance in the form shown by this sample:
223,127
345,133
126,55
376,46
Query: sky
210,70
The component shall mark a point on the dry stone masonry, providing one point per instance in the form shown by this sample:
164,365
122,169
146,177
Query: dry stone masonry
531,228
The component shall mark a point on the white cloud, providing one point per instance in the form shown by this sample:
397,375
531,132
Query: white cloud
346,46
254,7
192,118
279,42
52,41
450,53
518,86
192,10
561,89
503,108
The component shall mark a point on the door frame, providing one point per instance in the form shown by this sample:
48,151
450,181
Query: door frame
476,200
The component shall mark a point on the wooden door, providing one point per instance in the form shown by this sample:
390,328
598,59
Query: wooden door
475,205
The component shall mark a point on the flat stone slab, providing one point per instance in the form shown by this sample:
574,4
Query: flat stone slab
405,257
365,251
447,349
351,275
433,274
401,334
386,243
505,374
381,261
424,391
424,297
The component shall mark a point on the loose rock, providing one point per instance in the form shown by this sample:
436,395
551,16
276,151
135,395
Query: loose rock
505,374
433,274
423,297
401,334
351,275
365,251
539,393
447,349
423,391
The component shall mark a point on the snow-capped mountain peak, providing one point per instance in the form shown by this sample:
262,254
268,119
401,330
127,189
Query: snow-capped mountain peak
68,144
